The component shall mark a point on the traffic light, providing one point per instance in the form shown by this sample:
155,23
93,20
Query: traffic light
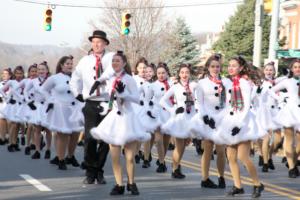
268,6
125,23
48,20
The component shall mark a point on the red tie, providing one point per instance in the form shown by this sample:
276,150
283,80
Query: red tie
98,71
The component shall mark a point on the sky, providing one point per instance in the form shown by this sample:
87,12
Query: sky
22,23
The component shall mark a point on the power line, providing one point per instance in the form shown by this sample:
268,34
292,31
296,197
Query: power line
132,8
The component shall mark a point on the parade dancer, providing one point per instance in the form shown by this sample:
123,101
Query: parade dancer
5,76
120,127
89,69
13,94
61,105
289,116
181,113
239,127
211,97
37,103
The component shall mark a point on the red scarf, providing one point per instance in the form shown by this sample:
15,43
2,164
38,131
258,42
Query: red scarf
113,90
99,70
167,87
221,90
237,101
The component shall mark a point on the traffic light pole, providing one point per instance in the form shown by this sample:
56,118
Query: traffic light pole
258,33
274,30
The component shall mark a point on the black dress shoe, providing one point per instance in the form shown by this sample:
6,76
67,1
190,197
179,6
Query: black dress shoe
54,161
234,190
162,168
32,147
36,155
137,159
146,164
283,160
133,189
16,147
100,178
10,148
72,161
257,191
117,190
222,183
47,154
62,165
22,140
271,164
265,168
260,161
89,180
208,184
27,150
177,173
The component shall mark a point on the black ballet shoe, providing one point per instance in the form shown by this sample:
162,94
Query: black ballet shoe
252,152
32,147
208,184
137,159
234,190
146,164
283,160
222,183
36,155
133,189
72,161
162,168
80,143
22,140
157,162
2,142
265,168
260,161
171,147
271,164
54,161
257,191
47,154
62,165
177,173
27,150
117,190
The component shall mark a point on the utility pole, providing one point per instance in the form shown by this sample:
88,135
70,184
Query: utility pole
274,29
258,33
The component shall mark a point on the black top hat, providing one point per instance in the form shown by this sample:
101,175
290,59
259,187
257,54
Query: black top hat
99,34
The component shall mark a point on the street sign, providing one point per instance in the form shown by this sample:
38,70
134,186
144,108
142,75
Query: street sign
289,53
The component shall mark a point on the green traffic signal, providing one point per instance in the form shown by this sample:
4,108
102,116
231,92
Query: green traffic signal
47,27
126,31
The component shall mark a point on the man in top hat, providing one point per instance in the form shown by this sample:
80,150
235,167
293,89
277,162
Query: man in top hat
89,69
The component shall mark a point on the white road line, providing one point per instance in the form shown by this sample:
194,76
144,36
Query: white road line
35,183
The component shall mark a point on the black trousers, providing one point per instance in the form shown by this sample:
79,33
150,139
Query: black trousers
95,151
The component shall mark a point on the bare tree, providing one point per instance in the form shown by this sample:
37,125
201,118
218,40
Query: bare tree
148,29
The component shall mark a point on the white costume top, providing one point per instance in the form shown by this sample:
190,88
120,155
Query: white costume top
177,124
84,77
243,119
289,115
121,125
3,103
208,101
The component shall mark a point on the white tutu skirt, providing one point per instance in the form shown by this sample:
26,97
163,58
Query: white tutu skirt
265,117
120,129
21,112
77,114
249,129
10,112
37,116
58,119
289,115
177,125
2,107
150,124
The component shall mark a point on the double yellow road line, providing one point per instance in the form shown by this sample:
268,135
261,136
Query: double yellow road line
276,189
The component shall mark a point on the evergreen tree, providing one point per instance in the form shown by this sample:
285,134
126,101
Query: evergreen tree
183,47
238,36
